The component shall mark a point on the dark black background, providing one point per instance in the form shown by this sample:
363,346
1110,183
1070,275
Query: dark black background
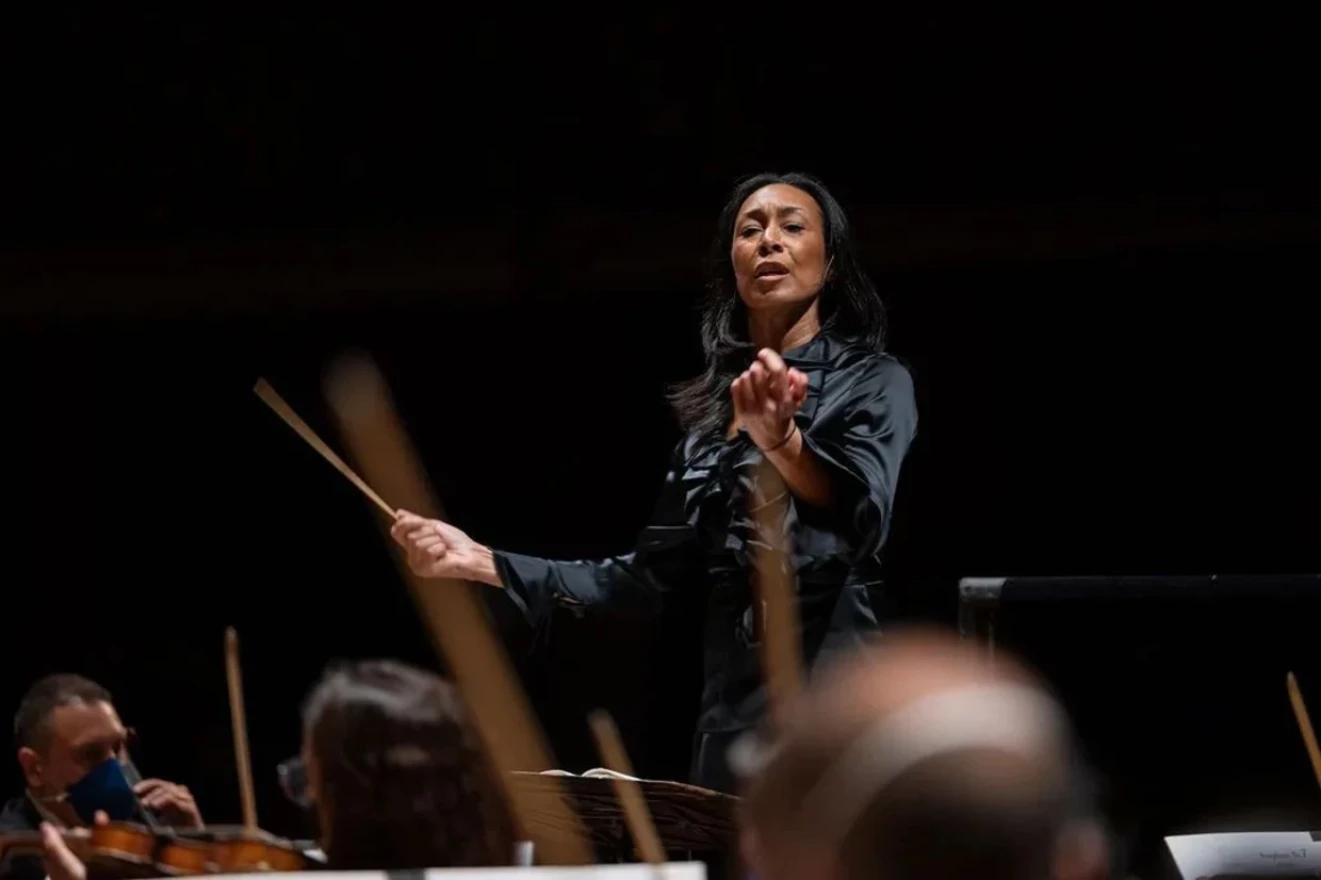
1096,233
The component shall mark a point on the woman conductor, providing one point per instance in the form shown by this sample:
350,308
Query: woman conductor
796,376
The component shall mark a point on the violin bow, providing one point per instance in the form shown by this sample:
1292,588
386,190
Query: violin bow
636,815
1305,725
454,618
240,723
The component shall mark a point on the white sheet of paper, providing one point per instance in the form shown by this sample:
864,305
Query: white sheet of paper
594,773
1258,853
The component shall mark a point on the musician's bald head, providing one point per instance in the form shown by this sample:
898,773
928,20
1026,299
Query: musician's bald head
919,759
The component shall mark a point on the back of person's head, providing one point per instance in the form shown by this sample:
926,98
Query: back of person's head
397,773
32,720
973,813
919,761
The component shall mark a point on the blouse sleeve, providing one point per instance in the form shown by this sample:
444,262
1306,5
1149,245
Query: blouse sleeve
861,432
661,559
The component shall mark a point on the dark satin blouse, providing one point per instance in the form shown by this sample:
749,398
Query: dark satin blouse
858,418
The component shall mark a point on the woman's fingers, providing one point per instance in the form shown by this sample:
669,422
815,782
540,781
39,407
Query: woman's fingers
422,531
430,539
769,391
777,373
405,524
427,563
798,384
744,401
760,385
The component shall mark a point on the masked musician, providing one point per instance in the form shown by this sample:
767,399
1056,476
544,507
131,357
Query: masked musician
796,377
73,750
392,773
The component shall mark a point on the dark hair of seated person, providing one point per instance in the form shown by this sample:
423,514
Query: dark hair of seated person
397,773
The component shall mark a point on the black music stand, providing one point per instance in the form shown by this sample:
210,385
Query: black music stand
1177,688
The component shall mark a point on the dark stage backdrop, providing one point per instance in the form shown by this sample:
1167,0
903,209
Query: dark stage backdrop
1120,410
1139,413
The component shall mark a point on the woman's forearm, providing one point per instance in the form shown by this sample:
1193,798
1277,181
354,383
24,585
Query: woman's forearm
481,568
806,477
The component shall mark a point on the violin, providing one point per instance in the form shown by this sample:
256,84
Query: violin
235,849
126,850
130,850
119,845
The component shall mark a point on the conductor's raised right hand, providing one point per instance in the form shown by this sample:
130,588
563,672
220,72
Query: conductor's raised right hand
437,549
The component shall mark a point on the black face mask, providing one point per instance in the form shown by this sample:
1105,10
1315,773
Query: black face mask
106,788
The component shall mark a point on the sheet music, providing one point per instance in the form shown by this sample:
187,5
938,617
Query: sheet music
594,773
1254,854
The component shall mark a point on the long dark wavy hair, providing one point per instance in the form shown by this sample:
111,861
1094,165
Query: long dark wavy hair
404,781
849,305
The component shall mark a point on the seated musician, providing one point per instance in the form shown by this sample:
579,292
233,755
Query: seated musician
392,772
922,762
395,774
72,748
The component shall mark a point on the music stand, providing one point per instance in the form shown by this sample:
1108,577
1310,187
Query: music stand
690,820
1176,685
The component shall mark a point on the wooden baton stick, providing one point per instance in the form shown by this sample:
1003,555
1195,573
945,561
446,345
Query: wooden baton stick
293,420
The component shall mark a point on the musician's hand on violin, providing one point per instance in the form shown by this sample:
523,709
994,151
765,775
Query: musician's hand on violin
765,398
61,863
437,549
174,802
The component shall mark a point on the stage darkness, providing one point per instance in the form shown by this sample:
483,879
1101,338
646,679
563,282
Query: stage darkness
1139,403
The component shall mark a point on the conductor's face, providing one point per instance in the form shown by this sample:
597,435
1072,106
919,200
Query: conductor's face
779,249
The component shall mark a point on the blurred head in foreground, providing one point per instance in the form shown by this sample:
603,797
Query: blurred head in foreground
395,773
919,760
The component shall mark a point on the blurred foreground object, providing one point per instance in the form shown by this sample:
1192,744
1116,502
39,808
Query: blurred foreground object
458,625
919,760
